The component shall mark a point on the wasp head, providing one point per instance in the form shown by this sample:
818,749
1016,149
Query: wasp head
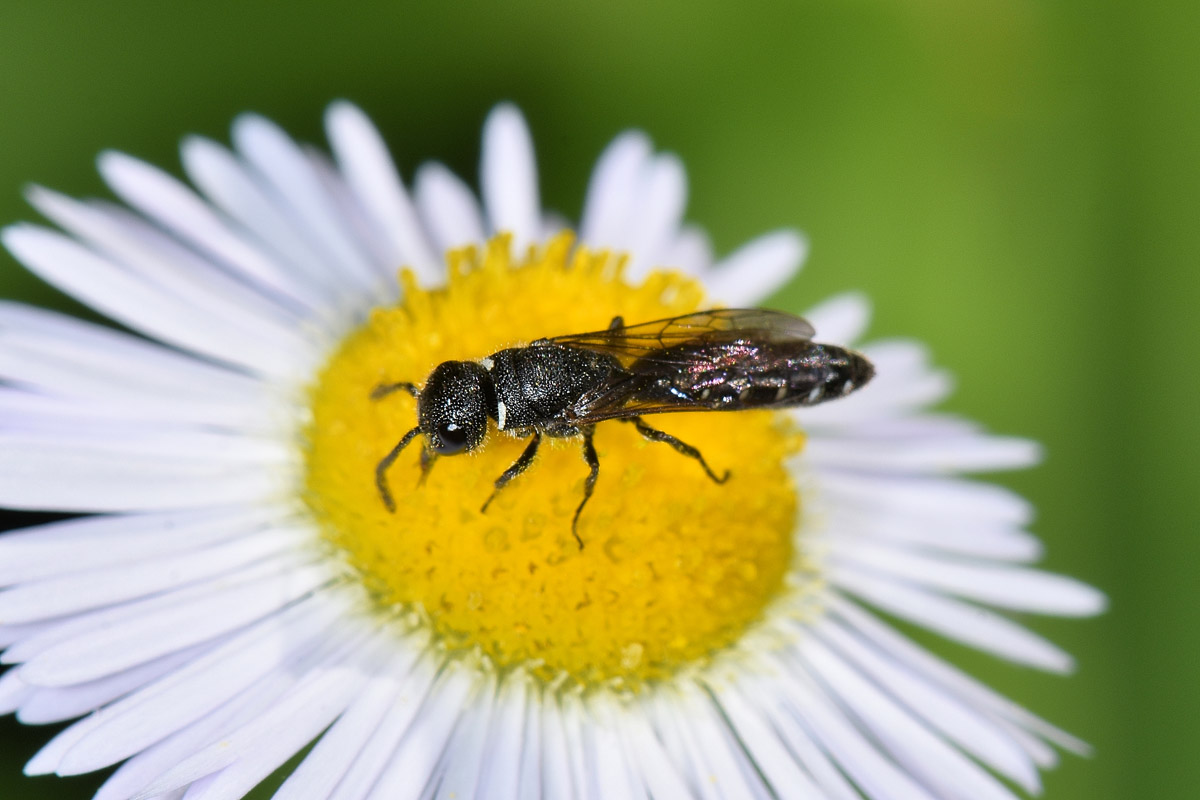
453,408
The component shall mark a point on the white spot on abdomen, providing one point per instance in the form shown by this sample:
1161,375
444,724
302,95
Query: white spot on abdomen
487,363
814,394
780,393
501,413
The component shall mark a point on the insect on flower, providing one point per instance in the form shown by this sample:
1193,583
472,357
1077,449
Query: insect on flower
719,360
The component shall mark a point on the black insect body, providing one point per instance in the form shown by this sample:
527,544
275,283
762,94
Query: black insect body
720,360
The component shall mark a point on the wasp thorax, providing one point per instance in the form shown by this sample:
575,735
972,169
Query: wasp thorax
453,409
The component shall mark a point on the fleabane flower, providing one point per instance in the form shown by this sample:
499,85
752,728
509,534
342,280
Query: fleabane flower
238,588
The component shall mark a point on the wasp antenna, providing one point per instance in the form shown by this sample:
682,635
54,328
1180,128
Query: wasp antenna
384,389
427,459
381,469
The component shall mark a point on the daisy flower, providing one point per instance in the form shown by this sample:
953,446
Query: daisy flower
234,590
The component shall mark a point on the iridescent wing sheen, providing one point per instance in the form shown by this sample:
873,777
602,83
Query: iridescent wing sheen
744,340
647,341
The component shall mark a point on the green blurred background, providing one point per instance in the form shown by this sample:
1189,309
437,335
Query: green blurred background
1014,182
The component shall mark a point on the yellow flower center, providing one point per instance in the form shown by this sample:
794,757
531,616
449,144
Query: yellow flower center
674,568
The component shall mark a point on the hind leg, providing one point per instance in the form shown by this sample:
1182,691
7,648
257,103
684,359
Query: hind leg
655,435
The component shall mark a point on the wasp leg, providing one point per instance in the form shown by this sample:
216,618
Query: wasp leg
519,466
589,484
384,463
655,435
384,389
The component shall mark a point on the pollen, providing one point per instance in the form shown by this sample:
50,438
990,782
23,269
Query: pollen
675,568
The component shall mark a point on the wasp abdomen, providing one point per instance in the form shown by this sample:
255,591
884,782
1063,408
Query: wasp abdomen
748,375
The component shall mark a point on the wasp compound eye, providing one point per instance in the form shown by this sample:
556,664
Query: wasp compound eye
451,438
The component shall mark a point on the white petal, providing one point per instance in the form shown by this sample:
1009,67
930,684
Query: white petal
966,727
714,759
102,587
803,745
842,319
331,758
192,445
946,676
612,192
756,269
286,168
103,285
557,769
910,429
108,363
224,718
986,539
229,185
251,595
921,497
1007,587
669,725
14,692
508,176
65,477
380,748
947,454
1045,756
691,251
55,632
249,754
465,753
355,221
965,623
646,753
875,775
615,774
764,747
500,771
58,705
35,410
274,648
160,197
12,634
148,253
570,712
413,762
939,765
46,760
529,785
448,208
88,543
367,165
663,195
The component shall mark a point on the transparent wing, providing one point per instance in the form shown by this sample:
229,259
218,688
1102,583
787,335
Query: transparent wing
660,339
748,342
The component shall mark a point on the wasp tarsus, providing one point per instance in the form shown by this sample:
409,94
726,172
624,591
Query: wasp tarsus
720,360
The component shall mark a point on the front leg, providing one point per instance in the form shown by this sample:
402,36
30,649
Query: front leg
519,466
381,469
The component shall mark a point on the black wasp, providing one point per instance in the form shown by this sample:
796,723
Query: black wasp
722,360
